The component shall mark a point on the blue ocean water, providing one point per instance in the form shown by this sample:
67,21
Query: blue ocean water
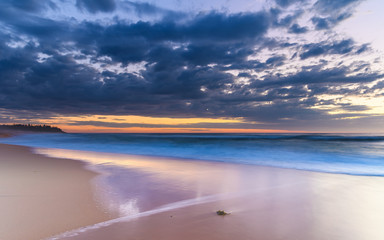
347,154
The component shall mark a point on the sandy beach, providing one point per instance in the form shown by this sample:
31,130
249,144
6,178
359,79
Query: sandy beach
163,198
41,196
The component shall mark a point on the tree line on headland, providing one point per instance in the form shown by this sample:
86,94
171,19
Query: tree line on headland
31,127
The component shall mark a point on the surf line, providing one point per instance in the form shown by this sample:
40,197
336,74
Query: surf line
164,208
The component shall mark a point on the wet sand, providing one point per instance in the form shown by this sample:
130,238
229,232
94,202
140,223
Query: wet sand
41,196
178,199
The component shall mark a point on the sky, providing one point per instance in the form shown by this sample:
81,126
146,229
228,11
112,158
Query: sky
193,66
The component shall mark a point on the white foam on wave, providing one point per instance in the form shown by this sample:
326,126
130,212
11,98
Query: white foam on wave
356,155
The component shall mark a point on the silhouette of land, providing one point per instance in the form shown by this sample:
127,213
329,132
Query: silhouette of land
30,128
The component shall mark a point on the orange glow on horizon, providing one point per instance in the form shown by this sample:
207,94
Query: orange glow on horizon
93,129
123,124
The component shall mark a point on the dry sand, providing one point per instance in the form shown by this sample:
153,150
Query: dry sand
41,196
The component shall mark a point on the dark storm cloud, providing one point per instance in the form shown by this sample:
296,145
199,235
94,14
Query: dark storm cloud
147,9
321,23
326,23
94,6
295,28
327,48
233,27
331,6
330,12
208,38
143,8
335,76
283,20
275,61
286,3
24,26
45,29
350,107
34,6
186,63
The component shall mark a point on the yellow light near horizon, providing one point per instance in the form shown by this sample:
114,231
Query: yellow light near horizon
95,129
375,105
141,119
93,123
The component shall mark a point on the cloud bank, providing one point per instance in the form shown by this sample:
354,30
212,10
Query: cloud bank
134,58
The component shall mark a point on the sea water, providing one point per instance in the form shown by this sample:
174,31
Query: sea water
346,154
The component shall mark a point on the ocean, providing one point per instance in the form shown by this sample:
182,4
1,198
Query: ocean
344,154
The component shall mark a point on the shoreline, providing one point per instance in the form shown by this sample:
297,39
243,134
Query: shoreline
179,199
302,156
186,159
164,198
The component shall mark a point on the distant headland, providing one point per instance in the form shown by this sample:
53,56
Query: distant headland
31,128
